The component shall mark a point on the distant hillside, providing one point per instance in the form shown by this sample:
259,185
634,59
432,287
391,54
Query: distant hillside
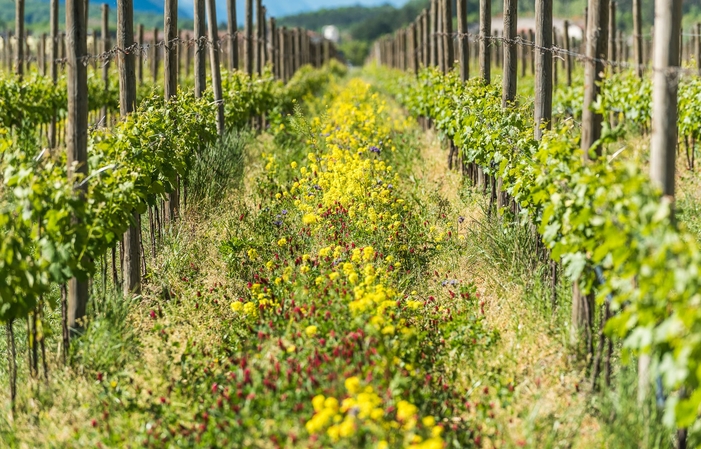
150,12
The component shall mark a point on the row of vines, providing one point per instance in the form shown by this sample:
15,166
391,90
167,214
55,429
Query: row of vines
602,219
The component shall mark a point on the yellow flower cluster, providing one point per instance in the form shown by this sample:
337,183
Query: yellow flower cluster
364,407
344,174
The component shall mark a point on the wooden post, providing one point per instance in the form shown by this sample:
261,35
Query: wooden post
663,141
77,139
665,83
179,56
42,54
140,55
233,35
170,83
510,56
554,58
214,63
597,40
612,34
697,50
95,47
434,33
258,37
448,35
248,39
524,54
496,46
412,49
19,31
131,265
440,18
297,49
485,34
263,39
426,36
272,47
544,63
568,57
531,38
638,37
106,46
170,51
53,54
596,51
327,51
282,55
200,48
156,54
463,42
188,55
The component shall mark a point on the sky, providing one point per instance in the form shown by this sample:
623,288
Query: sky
279,8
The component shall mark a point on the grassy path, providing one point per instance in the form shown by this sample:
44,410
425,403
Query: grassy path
348,294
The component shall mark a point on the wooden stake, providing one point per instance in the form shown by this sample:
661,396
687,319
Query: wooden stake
258,54
272,46
53,54
140,56
248,39
663,142
200,48
568,57
233,35
131,269
170,52
485,35
638,37
612,34
510,56
214,63
463,42
524,55
77,140
434,33
697,50
19,32
42,54
156,55
106,46
597,39
448,47
544,66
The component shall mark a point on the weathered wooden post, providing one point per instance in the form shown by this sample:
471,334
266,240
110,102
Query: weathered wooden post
448,35
612,34
434,33
233,35
76,141
568,57
596,52
544,69
510,57
638,37
663,142
248,39
484,37
463,43
200,48
131,265
170,77
54,64
258,54
19,32
156,55
214,63
106,46
140,55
